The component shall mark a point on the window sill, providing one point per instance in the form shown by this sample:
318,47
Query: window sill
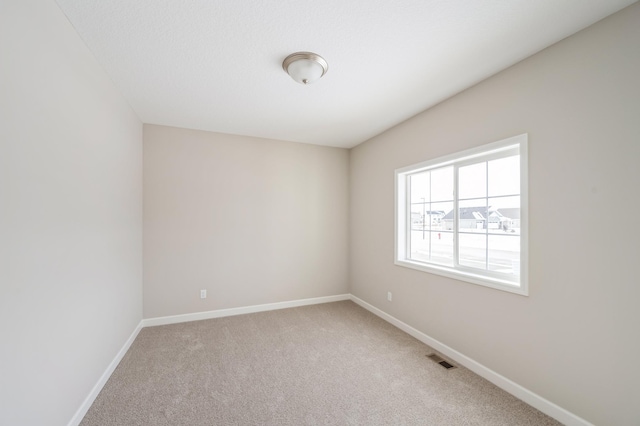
469,277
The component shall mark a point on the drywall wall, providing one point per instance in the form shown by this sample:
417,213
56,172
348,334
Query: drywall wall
575,339
250,220
70,217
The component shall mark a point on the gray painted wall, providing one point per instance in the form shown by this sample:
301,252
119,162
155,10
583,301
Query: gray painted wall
575,339
250,220
70,217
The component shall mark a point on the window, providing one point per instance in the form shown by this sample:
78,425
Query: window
465,215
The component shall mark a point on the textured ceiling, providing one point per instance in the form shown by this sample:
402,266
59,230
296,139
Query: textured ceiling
217,64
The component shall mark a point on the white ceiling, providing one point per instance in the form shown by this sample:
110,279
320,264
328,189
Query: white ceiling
217,64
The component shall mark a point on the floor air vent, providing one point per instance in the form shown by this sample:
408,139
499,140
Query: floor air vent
441,361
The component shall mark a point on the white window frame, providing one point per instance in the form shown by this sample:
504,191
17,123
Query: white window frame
403,216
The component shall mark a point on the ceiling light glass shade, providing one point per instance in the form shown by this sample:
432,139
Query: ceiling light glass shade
305,67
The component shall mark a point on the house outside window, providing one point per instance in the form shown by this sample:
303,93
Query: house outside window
464,215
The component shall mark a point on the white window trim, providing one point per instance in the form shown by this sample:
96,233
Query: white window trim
402,217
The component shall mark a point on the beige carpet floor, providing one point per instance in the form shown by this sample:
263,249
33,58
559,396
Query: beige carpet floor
329,364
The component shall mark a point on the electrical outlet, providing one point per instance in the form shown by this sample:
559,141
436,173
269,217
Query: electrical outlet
203,294
389,296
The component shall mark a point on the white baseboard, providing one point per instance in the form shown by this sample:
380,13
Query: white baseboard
86,404
563,416
174,319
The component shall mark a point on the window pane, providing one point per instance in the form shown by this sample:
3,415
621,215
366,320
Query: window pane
416,217
442,184
437,213
472,251
419,245
504,254
419,187
442,247
472,181
504,176
504,215
472,215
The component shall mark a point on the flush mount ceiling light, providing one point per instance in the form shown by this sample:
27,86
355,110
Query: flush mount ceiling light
305,67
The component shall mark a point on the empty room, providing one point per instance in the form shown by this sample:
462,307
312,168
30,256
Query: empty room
404,212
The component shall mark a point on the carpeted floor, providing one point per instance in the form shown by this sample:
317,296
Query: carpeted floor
329,364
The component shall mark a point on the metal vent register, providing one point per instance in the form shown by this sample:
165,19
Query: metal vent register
441,361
